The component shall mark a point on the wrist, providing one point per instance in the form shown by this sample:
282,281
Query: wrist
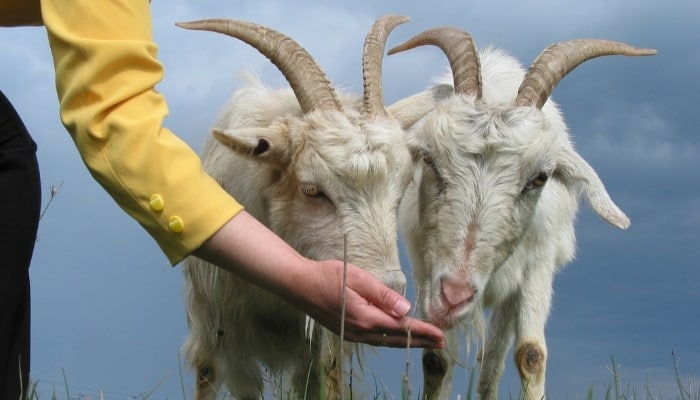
300,281
247,248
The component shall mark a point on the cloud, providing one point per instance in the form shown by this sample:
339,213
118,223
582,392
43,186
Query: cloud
639,135
108,310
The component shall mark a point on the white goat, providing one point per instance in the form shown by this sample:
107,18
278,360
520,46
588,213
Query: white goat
490,217
313,167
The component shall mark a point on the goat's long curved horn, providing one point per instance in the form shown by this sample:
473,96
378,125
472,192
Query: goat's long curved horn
310,84
460,50
372,56
559,59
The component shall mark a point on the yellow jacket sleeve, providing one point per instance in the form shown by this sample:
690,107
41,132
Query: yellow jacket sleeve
106,71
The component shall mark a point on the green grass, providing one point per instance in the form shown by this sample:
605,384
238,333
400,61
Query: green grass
616,389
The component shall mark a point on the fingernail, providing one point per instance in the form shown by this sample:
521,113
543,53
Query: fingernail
401,307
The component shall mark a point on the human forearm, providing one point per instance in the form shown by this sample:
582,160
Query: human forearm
247,248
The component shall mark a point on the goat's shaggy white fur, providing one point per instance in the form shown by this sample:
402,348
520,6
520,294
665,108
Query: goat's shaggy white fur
489,219
322,175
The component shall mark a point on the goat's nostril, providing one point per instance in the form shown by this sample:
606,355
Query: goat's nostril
456,291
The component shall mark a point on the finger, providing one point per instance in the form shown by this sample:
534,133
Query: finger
424,332
400,332
403,338
417,333
403,341
367,322
375,292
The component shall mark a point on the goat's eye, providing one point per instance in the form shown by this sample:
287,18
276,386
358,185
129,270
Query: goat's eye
537,182
310,189
428,159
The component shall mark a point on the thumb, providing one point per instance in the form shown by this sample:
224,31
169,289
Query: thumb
380,295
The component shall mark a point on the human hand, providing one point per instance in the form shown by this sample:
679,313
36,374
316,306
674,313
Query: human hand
374,314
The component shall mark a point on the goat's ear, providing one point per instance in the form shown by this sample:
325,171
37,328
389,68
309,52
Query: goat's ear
410,110
416,144
268,144
577,174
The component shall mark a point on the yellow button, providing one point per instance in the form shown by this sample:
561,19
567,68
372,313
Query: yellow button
157,202
176,224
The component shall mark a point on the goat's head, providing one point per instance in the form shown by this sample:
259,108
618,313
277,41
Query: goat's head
494,174
327,166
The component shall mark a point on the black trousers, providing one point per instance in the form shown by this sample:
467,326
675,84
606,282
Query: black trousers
20,204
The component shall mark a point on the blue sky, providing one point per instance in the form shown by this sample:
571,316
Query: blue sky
107,307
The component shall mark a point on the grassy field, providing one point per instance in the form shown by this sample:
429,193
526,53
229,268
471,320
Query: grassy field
616,389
